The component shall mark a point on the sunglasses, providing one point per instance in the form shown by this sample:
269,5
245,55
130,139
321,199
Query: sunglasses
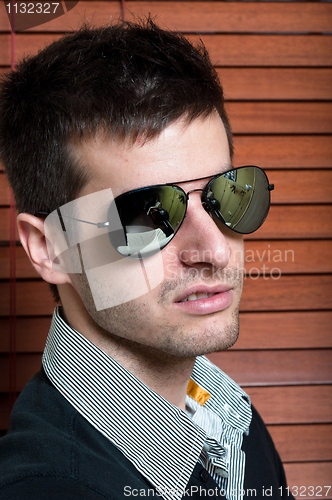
151,216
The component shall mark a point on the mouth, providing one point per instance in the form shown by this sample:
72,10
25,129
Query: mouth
201,292
200,301
197,296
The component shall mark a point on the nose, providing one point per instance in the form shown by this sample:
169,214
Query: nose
199,241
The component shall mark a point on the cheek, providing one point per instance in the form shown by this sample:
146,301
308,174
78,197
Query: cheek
237,251
170,255
170,262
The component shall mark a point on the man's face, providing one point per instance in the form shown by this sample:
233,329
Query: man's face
194,310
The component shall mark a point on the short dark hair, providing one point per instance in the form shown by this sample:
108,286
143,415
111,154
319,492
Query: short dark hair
126,79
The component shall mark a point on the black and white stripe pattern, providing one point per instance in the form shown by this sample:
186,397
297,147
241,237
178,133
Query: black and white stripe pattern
161,441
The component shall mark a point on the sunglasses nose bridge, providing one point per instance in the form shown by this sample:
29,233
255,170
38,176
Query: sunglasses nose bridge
203,199
205,205
193,191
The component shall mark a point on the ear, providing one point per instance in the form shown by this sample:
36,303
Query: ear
32,235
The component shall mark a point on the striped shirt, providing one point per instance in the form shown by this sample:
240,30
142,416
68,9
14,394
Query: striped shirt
163,442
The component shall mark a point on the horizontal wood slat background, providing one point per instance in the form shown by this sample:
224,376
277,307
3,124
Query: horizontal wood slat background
261,293
199,16
274,60
225,50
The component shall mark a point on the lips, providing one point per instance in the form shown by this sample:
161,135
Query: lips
199,293
203,300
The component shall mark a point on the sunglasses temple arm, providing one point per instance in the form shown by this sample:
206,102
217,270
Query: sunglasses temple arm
98,224
61,216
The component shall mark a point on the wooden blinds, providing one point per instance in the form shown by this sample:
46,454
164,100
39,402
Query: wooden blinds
274,60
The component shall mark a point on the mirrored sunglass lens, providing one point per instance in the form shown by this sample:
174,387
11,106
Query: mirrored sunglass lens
150,217
240,198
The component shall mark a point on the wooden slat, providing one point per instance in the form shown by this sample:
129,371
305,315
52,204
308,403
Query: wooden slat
289,256
229,16
200,16
280,117
33,298
276,83
292,186
301,186
4,190
30,335
277,367
301,476
283,222
269,50
286,330
288,293
26,366
264,330
25,44
296,222
5,224
283,152
309,442
225,50
24,268
293,405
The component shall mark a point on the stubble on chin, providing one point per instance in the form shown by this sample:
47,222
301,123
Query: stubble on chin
134,321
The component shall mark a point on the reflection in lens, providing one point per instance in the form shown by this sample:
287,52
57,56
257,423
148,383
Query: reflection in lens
150,217
243,197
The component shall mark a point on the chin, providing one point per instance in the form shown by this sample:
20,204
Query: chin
206,343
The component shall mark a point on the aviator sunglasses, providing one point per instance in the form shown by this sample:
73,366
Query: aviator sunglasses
151,216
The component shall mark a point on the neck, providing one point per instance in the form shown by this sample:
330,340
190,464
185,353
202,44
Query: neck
164,373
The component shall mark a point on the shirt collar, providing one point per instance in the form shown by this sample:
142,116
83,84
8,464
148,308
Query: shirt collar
161,441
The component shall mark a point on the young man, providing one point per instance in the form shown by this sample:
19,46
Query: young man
119,152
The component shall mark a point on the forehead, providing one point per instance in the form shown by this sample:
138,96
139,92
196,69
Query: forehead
180,152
